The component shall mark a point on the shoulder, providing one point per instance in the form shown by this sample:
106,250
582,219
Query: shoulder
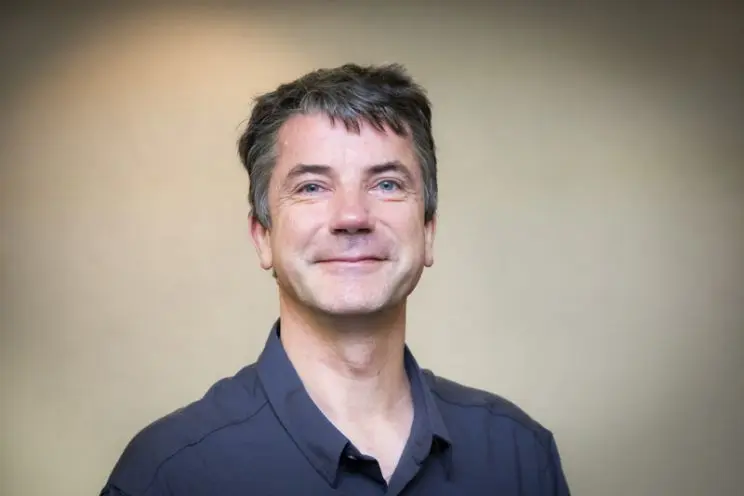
499,411
503,430
228,402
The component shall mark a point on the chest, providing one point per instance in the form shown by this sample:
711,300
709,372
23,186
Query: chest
275,470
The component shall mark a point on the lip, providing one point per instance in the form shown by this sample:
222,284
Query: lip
351,260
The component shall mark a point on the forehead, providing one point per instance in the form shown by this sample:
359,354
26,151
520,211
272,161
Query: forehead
314,139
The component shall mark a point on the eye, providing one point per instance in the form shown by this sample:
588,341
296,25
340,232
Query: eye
310,188
388,185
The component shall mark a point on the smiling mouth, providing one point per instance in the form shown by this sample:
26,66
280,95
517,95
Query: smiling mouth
351,261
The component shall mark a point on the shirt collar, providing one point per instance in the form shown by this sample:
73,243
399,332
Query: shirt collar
320,441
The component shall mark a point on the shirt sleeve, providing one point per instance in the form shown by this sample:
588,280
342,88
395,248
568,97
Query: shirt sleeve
554,482
111,490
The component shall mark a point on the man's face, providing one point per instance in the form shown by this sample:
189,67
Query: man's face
348,235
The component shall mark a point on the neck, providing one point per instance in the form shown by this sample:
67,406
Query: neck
352,367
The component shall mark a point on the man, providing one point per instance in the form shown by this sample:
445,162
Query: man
343,190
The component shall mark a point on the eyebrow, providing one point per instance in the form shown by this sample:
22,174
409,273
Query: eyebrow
392,166
325,170
304,169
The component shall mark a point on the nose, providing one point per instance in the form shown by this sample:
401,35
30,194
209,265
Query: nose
351,213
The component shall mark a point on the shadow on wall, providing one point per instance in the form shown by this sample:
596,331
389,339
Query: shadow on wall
699,38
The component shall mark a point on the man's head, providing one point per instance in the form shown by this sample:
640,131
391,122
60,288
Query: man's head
343,187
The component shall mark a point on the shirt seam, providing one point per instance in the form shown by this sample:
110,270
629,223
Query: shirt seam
533,430
198,441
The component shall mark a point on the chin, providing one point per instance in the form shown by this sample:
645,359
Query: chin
348,307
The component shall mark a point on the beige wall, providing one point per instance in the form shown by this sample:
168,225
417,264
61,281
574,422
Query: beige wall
590,260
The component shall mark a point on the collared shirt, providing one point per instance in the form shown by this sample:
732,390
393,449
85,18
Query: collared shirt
258,433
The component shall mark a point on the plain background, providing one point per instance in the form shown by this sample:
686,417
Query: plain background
590,253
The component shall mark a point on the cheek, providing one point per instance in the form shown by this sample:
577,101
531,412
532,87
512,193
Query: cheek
412,235
292,232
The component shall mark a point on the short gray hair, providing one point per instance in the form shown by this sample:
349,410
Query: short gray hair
381,96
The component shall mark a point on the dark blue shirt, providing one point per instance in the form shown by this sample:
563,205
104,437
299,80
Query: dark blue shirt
258,433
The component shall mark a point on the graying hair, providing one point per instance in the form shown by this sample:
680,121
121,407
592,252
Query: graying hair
380,96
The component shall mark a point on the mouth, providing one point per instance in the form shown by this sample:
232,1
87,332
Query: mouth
351,262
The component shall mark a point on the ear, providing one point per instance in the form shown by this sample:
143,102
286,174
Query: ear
430,229
262,242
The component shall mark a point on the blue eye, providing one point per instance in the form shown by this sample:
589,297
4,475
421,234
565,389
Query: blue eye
388,185
310,188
